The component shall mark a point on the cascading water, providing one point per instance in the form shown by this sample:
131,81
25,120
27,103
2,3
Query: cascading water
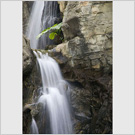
34,26
54,96
34,128
44,14
54,116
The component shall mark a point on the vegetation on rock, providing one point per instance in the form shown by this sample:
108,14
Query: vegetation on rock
55,30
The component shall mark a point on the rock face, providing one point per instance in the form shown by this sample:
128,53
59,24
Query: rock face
86,62
27,6
28,58
87,28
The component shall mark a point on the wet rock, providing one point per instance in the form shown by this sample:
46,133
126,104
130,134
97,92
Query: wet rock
27,118
33,109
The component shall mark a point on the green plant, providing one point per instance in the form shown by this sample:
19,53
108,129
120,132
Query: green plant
55,30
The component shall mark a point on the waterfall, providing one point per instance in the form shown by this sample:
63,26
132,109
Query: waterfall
34,25
34,128
54,97
44,14
54,116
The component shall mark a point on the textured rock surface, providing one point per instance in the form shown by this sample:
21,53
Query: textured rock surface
86,62
31,83
28,58
62,5
27,6
87,28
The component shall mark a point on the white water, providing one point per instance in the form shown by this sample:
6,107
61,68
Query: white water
54,95
55,112
34,128
34,26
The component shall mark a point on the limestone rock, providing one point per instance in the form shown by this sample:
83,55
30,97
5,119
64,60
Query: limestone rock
87,29
62,5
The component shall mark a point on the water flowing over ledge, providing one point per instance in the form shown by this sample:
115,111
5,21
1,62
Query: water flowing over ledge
53,97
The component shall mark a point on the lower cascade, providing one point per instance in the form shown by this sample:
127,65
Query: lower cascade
34,128
54,99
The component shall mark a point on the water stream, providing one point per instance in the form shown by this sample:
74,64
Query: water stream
54,97
34,128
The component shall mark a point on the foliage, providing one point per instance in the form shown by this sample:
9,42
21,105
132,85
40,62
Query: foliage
55,30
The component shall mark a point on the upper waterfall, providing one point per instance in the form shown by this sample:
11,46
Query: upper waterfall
34,26
44,14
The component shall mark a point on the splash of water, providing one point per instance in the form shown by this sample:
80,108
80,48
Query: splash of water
54,96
